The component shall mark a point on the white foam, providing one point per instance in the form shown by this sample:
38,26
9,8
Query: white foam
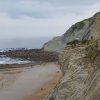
7,60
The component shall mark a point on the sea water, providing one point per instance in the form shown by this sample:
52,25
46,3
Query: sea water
8,60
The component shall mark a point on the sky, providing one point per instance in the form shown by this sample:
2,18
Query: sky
42,18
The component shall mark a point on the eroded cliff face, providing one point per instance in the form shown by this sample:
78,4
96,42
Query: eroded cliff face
82,31
81,74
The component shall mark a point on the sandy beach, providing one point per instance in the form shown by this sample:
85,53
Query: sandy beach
46,88
29,83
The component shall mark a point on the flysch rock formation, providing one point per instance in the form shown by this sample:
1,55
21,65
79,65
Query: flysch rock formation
82,31
81,75
80,64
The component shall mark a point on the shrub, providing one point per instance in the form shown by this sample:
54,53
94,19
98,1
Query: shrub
92,51
85,41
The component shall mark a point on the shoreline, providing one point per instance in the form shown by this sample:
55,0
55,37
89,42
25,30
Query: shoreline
14,66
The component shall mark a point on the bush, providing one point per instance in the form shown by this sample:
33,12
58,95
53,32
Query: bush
92,51
85,41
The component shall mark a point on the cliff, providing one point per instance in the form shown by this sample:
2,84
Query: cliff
83,30
81,73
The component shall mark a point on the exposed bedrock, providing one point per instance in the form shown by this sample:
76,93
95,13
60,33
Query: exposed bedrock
81,75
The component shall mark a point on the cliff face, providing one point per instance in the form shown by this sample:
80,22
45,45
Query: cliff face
82,31
79,63
81,74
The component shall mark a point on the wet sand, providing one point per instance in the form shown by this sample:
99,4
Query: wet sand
42,92
1,77
33,82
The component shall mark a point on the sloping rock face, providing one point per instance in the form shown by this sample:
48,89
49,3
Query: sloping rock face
83,30
81,75
56,44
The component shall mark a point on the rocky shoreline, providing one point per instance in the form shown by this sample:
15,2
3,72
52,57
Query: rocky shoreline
32,55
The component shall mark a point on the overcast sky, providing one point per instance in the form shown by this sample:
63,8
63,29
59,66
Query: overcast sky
42,18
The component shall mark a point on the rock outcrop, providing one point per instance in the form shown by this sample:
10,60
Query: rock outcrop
79,62
83,30
81,74
32,55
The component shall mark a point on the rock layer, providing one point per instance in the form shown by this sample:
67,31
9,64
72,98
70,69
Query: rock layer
81,80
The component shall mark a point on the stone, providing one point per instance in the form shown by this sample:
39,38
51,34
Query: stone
81,77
